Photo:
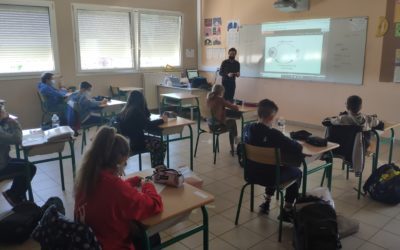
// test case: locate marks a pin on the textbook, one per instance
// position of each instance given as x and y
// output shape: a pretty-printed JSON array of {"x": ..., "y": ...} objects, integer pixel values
[{"x": 37, "y": 136}]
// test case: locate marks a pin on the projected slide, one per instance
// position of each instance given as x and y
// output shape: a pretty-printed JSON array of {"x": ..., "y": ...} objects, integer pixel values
[{"x": 293, "y": 54}]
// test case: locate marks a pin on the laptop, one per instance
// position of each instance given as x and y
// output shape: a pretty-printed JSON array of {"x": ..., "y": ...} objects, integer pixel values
[{"x": 191, "y": 74}]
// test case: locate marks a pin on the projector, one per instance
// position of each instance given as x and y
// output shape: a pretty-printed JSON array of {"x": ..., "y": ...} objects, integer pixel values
[{"x": 291, "y": 5}]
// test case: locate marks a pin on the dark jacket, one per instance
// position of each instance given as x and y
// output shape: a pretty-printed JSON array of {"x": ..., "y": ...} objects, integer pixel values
[
  {"x": 133, "y": 125},
  {"x": 229, "y": 66}
]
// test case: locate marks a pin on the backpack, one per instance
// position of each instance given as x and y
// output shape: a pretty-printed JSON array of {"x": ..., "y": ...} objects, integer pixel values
[
  {"x": 17, "y": 225},
  {"x": 384, "y": 184},
  {"x": 315, "y": 225}
]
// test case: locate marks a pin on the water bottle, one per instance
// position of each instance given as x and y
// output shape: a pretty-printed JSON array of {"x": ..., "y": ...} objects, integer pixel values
[
  {"x": 281, "y": 123},
  {"x": 55, "y": 121}
]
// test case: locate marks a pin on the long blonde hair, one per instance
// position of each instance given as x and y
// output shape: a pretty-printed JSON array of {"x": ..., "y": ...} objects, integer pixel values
[
  {"x": 106, "y": 152},
  {"x": 216, "y": 90}
]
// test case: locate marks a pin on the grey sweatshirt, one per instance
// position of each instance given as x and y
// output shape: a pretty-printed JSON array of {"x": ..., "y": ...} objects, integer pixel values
[{"x": 10, "y": 134}]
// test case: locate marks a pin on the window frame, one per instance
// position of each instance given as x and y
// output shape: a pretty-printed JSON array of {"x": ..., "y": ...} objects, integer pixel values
[
  {"x": 96, "y": 7},
  {"x": 159, "y": 12},
  {"x": 53, "y": 37},
  {"x": 135, "y": 39}
]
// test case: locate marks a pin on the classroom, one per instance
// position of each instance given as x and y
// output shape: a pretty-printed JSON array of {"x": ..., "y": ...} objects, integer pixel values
[{"x": 200, "y": 124}]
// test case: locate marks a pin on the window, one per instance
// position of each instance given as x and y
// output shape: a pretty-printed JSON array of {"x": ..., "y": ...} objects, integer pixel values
[
  {"x": 159, "y": 40},
  {"x": 105, "y": 40},
  {"x": 26, "y": 43},
  {"x": 125, "y": 39}
]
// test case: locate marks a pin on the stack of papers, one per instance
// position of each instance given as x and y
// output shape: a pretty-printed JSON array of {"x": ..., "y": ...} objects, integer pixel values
[{"x": 31, "y": 137}]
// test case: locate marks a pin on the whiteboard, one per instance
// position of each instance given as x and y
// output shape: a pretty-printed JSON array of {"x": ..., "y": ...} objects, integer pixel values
[{"x": 343, "y": 53}]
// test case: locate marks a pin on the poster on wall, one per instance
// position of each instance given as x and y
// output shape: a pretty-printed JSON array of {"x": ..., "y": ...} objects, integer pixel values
[
  {"x": 397, "y": 12},
  {"x": 232, "y": 36},
  {"x": 212, "y": 31}
]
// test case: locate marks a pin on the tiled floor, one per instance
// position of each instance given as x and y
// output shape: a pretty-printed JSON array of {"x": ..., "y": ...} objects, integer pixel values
[{"x": 379, "y": 224}]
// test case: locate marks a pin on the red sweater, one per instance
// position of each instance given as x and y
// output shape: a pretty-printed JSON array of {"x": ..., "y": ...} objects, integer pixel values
[{"x": 114, "y": 203}]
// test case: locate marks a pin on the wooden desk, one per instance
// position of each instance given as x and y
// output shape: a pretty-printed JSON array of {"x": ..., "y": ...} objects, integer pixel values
[
  {"x": 178, "y": 202},
  {"x": 40, "y": 147},
  {"x": 129, "y": 89},
  {"x": 175, "y": 126},
  {"x": 180, "y": 100},
  {"x": 312, "y": 153},
  {"x": 111, "y": 108},
  {"x": 387, "y": 126}
]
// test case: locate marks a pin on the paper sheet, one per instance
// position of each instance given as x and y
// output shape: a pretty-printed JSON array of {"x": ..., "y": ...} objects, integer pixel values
[{"x": 189, "y": 53}]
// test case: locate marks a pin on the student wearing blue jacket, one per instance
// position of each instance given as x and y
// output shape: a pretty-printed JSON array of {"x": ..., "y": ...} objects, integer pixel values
[{"x": 54, "y": 97}]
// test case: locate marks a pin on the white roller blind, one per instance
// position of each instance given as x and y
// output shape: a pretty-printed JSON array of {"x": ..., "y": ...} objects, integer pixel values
[
  {"x": 104, "y": 39},
  {"x": 160, "y": 40},
  {"x": 25, "y": 39}
]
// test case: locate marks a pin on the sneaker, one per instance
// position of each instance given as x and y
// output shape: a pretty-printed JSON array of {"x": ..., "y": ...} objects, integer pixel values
[
  {"x": 264, "y": 207},
  {"x": 11, "y": 198},
  {"x": 287, "y": 215}
]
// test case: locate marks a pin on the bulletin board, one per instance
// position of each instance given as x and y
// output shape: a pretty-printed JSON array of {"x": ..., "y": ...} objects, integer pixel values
[{"x": 391, "y": 43}]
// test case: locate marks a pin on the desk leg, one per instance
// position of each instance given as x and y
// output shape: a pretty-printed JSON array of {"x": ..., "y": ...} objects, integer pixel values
[
  {"x": 71, "y": 146},
  {"x": 304, "y": 186},
  {"x": 329, "y": 160},
  {"x": 191, "y": 147},
  {"x": 375, "y": 163},
  {"x": 391, "y": 145},
  {"x": 205, "y": 227},
  {"x": 168, "y": 151},
  {"x": 242, "y": 125},
  {"x": 61, "y": 171}
]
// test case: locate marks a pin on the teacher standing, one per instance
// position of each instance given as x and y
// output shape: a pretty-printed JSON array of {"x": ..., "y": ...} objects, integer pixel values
[{"x": 230, "y": 69}]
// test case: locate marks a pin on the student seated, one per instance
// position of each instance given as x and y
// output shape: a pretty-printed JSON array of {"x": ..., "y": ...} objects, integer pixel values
[
  {"x": 262, "y": 134},
  {"x": 87, "y": 108},
  {"x": 11, "y": 134},
  {"x": 217, "y": 105},
  {"x": 54, "y": 98},
  {"x": 134, "y": 119},
  {"x": 353, "y": 116},
  {"x": 103, "y": 200}
]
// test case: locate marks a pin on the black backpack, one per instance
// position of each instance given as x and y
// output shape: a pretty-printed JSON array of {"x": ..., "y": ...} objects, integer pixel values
[
  {"x": 17, "y": 225},
  {"x": 384, "y": 184},
  {"x": 315, "y": 225}
]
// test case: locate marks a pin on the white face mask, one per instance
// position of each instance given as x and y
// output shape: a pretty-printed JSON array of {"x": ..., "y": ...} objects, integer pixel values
[{"x": 53, "y": 82}]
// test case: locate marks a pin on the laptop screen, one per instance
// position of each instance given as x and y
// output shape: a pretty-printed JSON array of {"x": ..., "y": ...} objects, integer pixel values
[{"x": 192, "y": 73}]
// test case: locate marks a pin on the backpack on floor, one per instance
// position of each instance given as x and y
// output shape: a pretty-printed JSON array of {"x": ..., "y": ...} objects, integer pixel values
[
  {"x": 384, "y": 184},
  {"x": 315, "y": 225},
  {"x": 17, "y": 225}
]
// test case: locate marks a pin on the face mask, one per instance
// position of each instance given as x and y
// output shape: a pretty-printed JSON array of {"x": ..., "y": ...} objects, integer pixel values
[{"x": 53, "y": 82}]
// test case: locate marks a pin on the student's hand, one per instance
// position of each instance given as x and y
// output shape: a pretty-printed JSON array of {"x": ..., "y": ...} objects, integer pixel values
[{"x": 135, "y": 181}]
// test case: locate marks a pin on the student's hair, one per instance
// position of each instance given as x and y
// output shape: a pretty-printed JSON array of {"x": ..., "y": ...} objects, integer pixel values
[
  {"x": 232, "y": 49},
  {"x": 266, "y": 108},
  {"x": 354, "y": 104},
  {"x": 85, "y": 85},
  {"x": 107, "y": 150},
  {"x": 46, "y": 76},
  {"x": 216, "y": 90},
  {"x": 137, "y": 102}
]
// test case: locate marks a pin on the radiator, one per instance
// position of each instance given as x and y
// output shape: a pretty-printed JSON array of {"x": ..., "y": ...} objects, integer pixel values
[{"x": 150, "y": 82}]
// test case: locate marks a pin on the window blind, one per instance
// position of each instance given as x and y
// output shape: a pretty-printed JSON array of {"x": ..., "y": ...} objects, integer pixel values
[
  {"x": 104, "y": 39},
  {"x": 160, "y": 40},
  {"x": 25, "y": 39}
]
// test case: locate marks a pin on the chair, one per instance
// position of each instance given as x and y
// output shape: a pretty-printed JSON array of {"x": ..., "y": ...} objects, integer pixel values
[
  {"x": 74, "y": 122},
  {"x": 25, "y": 173},
  {"x": 45, "y": 110},
  {"x": 346, "y": 137},
  {"x": 270, "y": 157},
  {"x": 215, "y": 133},
  {"x": 116, "y": 94}
]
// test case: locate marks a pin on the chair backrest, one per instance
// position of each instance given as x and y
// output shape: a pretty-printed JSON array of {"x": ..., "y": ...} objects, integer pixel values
[
  {"x": 42, "y": 100},
  {"x": 114, "y": 91},
  {"x": 345, "y": 136},
  {"x": 256, "y": 158}
]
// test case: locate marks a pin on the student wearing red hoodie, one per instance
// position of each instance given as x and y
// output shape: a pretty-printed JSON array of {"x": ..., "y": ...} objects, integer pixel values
[{"x": 103, "y": 200}]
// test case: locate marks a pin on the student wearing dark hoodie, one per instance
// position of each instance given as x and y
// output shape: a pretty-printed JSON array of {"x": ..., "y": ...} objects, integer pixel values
[{"x": 262, "y": 134}]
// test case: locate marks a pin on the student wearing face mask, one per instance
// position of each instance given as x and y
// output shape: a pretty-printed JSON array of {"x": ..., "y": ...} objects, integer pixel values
[
  {"x": 85, "y": 106},
  {"x": 230, "y": 69},
  {"x": 54, "y": 97},
  {"x": 107, "y": 203}
]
